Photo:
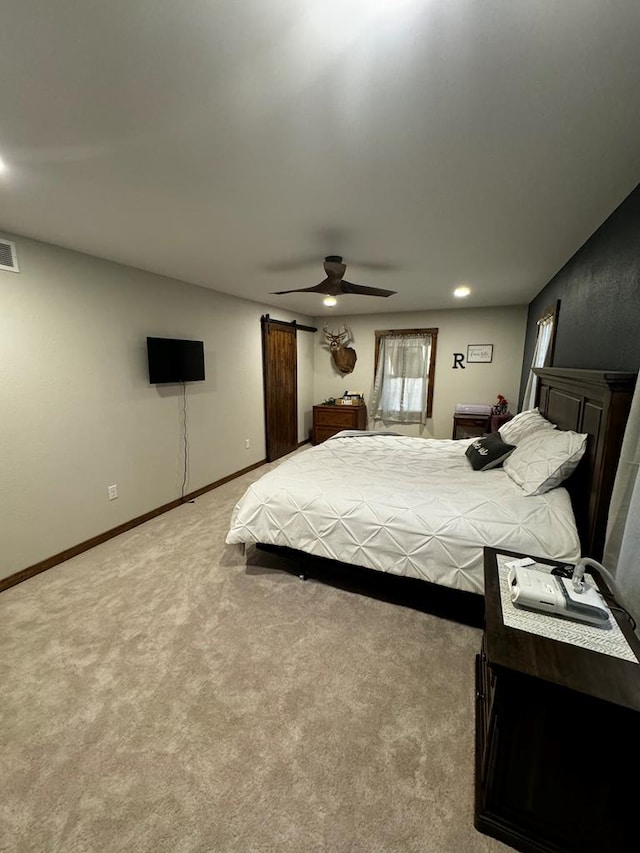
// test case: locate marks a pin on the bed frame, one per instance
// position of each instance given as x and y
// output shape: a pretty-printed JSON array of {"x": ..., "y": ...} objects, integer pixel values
[{"x": 596, "y": 402}]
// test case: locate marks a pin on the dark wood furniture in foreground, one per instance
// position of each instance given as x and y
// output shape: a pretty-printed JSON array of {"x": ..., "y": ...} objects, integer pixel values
[
  {"x": 328, "y": 420},
  {"x": 556, "y": 738},
  {"x": 596, "y": 402}
]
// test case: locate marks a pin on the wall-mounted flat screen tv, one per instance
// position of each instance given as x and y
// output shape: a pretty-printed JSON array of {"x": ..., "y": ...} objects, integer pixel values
[{"x": 173, "y": 360}]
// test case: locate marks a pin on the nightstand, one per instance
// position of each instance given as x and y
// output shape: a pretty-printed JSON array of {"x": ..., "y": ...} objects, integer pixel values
[
  {"x": 556, "y": 737},
  {"x": 470, "y": 426}
]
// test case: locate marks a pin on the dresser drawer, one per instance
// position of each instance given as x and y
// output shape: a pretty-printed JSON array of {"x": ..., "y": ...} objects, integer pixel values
[
  {"x": 322, "y": 433},
  {"x": 338, "y": 416}
]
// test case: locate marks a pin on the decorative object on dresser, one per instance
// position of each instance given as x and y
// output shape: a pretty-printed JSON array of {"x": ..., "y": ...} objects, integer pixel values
[
  {"x": 501, "y": 406},
  {"x": 349, "y": 399},
  {"x": 556, "y": 728},
  {"x": 499, "y": 413},
  {"x": 330, "y": 419}
]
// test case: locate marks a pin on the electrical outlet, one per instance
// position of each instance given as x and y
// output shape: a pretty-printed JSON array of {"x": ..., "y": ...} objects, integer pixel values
[
  {"x": 113, "y": 492},
  {"x": 247, "y": 443}
]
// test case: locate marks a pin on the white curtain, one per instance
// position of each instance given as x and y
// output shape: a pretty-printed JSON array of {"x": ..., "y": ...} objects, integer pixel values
[
  {"x": 622, "y": 545},
  {"x": 543, "y": 341},
  {"x": 402, "y": 379}
]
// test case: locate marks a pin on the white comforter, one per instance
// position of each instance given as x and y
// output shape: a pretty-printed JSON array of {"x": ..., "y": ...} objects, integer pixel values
[{"x": 409, "y": 506}]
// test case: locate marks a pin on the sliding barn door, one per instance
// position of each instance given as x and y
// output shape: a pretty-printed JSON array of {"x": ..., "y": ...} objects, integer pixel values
[{"x": 280, "y": 371}]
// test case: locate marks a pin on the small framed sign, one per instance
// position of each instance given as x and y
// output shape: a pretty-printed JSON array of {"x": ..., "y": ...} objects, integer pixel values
[{"x": 479, "y": 353}]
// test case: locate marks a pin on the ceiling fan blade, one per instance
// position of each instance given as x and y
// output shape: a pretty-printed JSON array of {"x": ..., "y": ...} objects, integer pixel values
[
  {"x": 363, "y": 290},
  {"x": 323, "y": 287}
]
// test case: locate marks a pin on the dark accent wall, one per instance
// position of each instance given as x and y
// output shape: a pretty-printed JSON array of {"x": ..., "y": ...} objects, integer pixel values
[{"x": 599, "y": 292}]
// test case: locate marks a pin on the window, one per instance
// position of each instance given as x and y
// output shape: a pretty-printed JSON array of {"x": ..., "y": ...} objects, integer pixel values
[
  {"x": 543, "y": 352},
  {"x": 404, "y": 369}
]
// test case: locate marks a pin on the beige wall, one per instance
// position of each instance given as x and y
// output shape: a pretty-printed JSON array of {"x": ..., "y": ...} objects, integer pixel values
[
  {"x": 77, "y": 410},
  {"x": 477, "y": 383}
]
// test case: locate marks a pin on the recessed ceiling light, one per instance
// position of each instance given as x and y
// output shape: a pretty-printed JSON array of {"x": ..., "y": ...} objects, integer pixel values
[
  {"x": 460, "y": 292},
  {"x": 329, "y": 301},
  {"x": 3, "y": 166}
]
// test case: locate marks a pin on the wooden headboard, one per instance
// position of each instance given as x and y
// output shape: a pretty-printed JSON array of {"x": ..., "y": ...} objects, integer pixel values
[{"x": 596, "y": 402}]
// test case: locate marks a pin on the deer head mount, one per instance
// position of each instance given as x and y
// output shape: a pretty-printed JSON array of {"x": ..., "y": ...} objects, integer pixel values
[{"x": 344, "y": 357}]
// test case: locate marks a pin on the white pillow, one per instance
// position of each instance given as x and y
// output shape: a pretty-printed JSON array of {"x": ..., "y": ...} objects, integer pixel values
[
  {"x": 544, "y": 459},
  {"x": 524, "y": 424}
]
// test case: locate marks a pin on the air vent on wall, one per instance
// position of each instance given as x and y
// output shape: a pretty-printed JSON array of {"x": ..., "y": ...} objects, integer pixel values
[{"x": 8, "y": 256}]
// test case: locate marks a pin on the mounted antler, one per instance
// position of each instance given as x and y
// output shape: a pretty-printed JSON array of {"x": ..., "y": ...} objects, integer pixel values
[
  {"x": 344, "y": 357},
  {"x": 335, "y": 340}
]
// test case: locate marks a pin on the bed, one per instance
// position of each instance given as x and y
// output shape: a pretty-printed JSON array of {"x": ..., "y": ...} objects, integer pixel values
[{"x": 415, "y": 508}]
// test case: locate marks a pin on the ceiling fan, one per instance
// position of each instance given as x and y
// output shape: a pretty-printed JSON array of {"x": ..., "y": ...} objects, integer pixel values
[{"x": 335, "y": 285}]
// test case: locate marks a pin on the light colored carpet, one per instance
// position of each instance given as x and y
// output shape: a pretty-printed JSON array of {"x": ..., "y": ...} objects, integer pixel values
[{"x": 159, "y": 694}]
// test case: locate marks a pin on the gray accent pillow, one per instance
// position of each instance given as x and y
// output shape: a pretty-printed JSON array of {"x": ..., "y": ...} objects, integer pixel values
[{"x": 488, "y": 452}]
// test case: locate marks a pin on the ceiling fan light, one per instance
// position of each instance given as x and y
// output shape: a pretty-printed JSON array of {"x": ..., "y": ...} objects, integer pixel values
[{"x": 329, "y": 301}]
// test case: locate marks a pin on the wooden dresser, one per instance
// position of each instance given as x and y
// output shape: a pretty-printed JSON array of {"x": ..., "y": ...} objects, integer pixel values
[{"x": 328, "y": 420}]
